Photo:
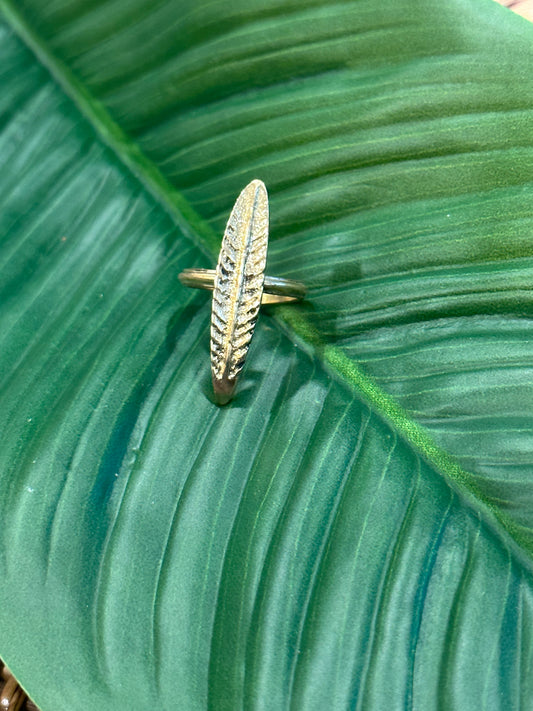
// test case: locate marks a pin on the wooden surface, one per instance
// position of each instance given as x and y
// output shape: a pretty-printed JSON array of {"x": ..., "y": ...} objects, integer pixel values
[{"x": 12, "y": 696}]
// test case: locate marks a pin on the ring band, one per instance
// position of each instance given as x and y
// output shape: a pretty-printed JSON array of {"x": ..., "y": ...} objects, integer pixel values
[
  {"x": 276, "y": 290},
  {"x": 240, "y": 287}
]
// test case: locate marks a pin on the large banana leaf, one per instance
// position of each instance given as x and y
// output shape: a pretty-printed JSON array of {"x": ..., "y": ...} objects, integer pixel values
[{"x": 356, "y": 529}]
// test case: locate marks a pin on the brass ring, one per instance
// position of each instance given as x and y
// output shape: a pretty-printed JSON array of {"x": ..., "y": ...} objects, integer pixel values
[
  {"x": 276, "y": 290},
  {"x": 240, "y": 287}
]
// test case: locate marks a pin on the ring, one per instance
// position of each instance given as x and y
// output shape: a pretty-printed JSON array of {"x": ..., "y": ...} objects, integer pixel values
[
  {"x": 275, "y": 290},
  {"x": 240, "y": 287}
]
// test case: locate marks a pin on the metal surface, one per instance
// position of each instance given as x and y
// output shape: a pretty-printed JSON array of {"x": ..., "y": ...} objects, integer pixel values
[
  {"x": 238, "y": 288},
  {"x": 276, "y": 290}
]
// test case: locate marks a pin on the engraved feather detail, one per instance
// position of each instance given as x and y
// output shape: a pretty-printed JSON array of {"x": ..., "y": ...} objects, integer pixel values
[{"x": 238, "y": 287}]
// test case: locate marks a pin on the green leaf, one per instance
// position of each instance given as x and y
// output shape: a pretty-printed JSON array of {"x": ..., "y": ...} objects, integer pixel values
[{"x": 355, "y": 529}]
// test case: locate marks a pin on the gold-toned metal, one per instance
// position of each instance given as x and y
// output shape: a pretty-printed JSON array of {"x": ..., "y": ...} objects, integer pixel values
[
  {"x": 240, "y": 287},
  {"x": 276, "y": 290}
]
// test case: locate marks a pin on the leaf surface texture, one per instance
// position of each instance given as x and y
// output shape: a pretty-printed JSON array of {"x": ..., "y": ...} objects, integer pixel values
[{"x": 302, "y": 548}]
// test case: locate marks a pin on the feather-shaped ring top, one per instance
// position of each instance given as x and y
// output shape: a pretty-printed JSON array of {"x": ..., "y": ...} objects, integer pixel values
[{"x": 240, "y": 287}]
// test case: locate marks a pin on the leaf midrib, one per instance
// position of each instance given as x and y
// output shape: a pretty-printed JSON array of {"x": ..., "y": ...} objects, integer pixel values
[{"x": 291, "y": 321}]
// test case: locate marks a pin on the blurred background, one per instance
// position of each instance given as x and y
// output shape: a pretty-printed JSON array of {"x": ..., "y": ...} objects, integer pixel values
[{"x": 522, "y": 7}]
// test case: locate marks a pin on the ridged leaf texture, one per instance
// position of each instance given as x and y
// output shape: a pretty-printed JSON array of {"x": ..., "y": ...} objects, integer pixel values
[
  {"x": 354, "y": 530},
  {"x": 239, "y": 281}
]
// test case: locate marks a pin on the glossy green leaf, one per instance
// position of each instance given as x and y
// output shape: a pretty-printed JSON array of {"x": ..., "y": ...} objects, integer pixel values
[{"x": 355, "y": 529}]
